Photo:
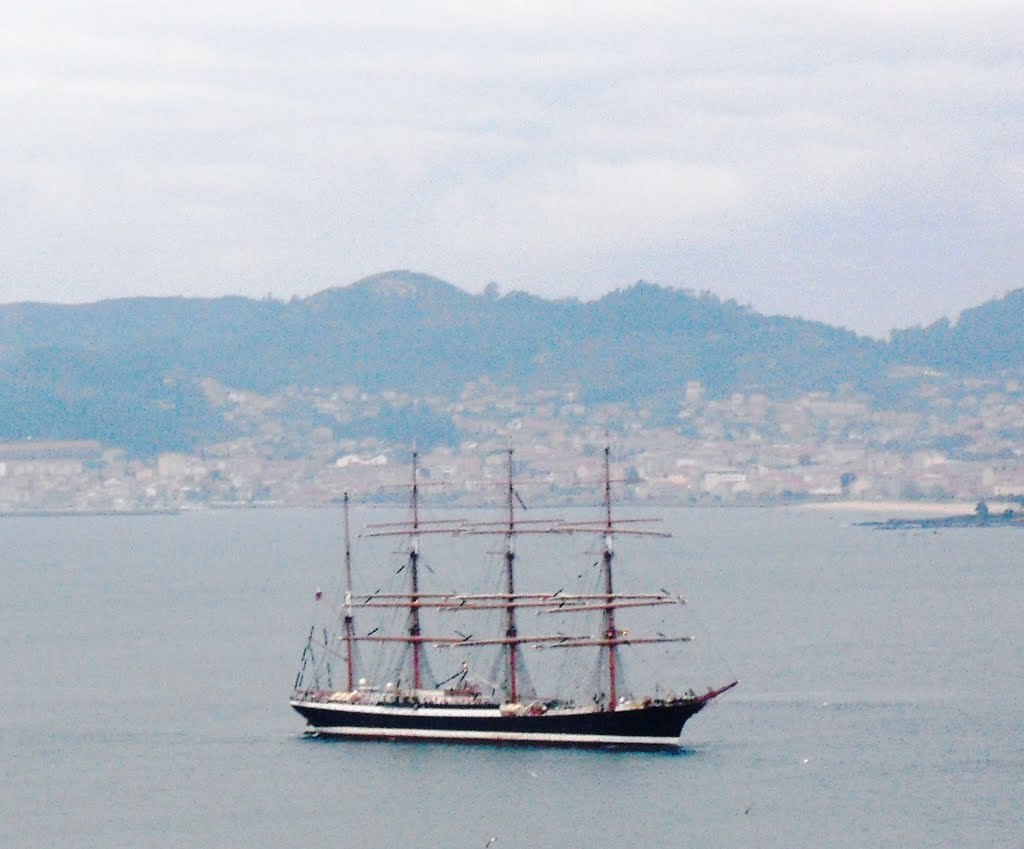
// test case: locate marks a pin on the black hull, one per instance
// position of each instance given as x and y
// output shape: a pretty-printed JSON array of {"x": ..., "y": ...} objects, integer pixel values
[{"x": 655, "y": 726}]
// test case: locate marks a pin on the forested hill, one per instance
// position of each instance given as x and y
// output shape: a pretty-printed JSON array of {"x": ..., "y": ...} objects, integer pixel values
[
  {"x": 985, "y": 340},
  {"x": 125, "y": 371}
]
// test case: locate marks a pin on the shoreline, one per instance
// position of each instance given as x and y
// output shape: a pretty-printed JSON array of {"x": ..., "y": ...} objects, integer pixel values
[
  {"x": 931, "y": 508},
  {"x": 923, "y": 508}
]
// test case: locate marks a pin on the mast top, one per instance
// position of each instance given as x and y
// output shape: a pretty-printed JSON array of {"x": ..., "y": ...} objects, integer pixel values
[
  {"x": 415, "y": 489},
  {"x": 607, "y": 491}
]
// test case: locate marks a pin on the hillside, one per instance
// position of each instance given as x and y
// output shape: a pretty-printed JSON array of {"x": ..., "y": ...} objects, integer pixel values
[
  {"x": 126, "y": 372},
  {"x": 985, "y": 340}
]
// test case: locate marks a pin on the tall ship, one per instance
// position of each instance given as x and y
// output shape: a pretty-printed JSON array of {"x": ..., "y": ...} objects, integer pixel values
[{"x": 367, "y": 670}]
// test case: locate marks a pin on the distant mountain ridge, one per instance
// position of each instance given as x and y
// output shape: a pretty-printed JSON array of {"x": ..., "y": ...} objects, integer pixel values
[{"x": 125, "y": 371}]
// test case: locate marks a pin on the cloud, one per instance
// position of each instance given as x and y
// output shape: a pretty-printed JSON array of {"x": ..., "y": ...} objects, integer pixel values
[{"x": 858, "y": 163}]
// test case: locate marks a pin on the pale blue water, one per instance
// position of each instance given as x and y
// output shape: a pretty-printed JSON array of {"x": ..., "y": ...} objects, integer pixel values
[{"x": 147, "y": 663}]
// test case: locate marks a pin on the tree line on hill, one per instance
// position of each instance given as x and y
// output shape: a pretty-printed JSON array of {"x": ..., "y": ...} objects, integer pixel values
[{"x": 126, "y": 372}]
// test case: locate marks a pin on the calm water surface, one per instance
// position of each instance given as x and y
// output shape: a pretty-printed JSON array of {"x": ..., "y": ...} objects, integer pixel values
[{"x": 147, "y": 663}]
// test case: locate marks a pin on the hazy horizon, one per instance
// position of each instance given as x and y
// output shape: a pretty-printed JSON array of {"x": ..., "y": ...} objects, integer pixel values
[
  {"x": 844, "y": 163},
  {"x": 501, "y": 292}
]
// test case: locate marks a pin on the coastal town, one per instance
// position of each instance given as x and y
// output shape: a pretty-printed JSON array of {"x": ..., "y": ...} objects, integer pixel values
[{"x": 945, "y": 440}]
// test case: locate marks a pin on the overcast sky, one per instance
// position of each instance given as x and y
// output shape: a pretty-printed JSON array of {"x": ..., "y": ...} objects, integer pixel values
[{"x": 859, "y": 163}]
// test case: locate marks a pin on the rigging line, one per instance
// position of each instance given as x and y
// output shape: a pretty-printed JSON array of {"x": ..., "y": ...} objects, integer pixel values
[
  {"x": 579, "y": 676},
  {"x": 330, "y": 681},
  {"x": 439, "y": 684},
  {"x": 327, "y": 650},
  {"x": 306, "y": 652}
]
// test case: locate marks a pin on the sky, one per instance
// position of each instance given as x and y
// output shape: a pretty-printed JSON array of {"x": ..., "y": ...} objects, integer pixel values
[{"x": 859, "y": 163}]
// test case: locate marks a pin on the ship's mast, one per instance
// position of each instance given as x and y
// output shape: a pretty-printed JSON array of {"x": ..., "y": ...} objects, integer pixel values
[
  {"x": 511, "y": 631},
  {"x": 604, "y": 599},
  {"x": 349, "y": 629},
  {"x": 610, "y": 633},
  {"x": 414, "y": 578}
]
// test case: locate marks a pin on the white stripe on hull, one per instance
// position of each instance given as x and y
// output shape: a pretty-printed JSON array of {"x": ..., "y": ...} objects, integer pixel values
[{"x": 378, "y": 733}]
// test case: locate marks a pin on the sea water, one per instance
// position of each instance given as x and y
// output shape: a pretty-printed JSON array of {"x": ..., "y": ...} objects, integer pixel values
[{"x": 147, "y": 662}]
